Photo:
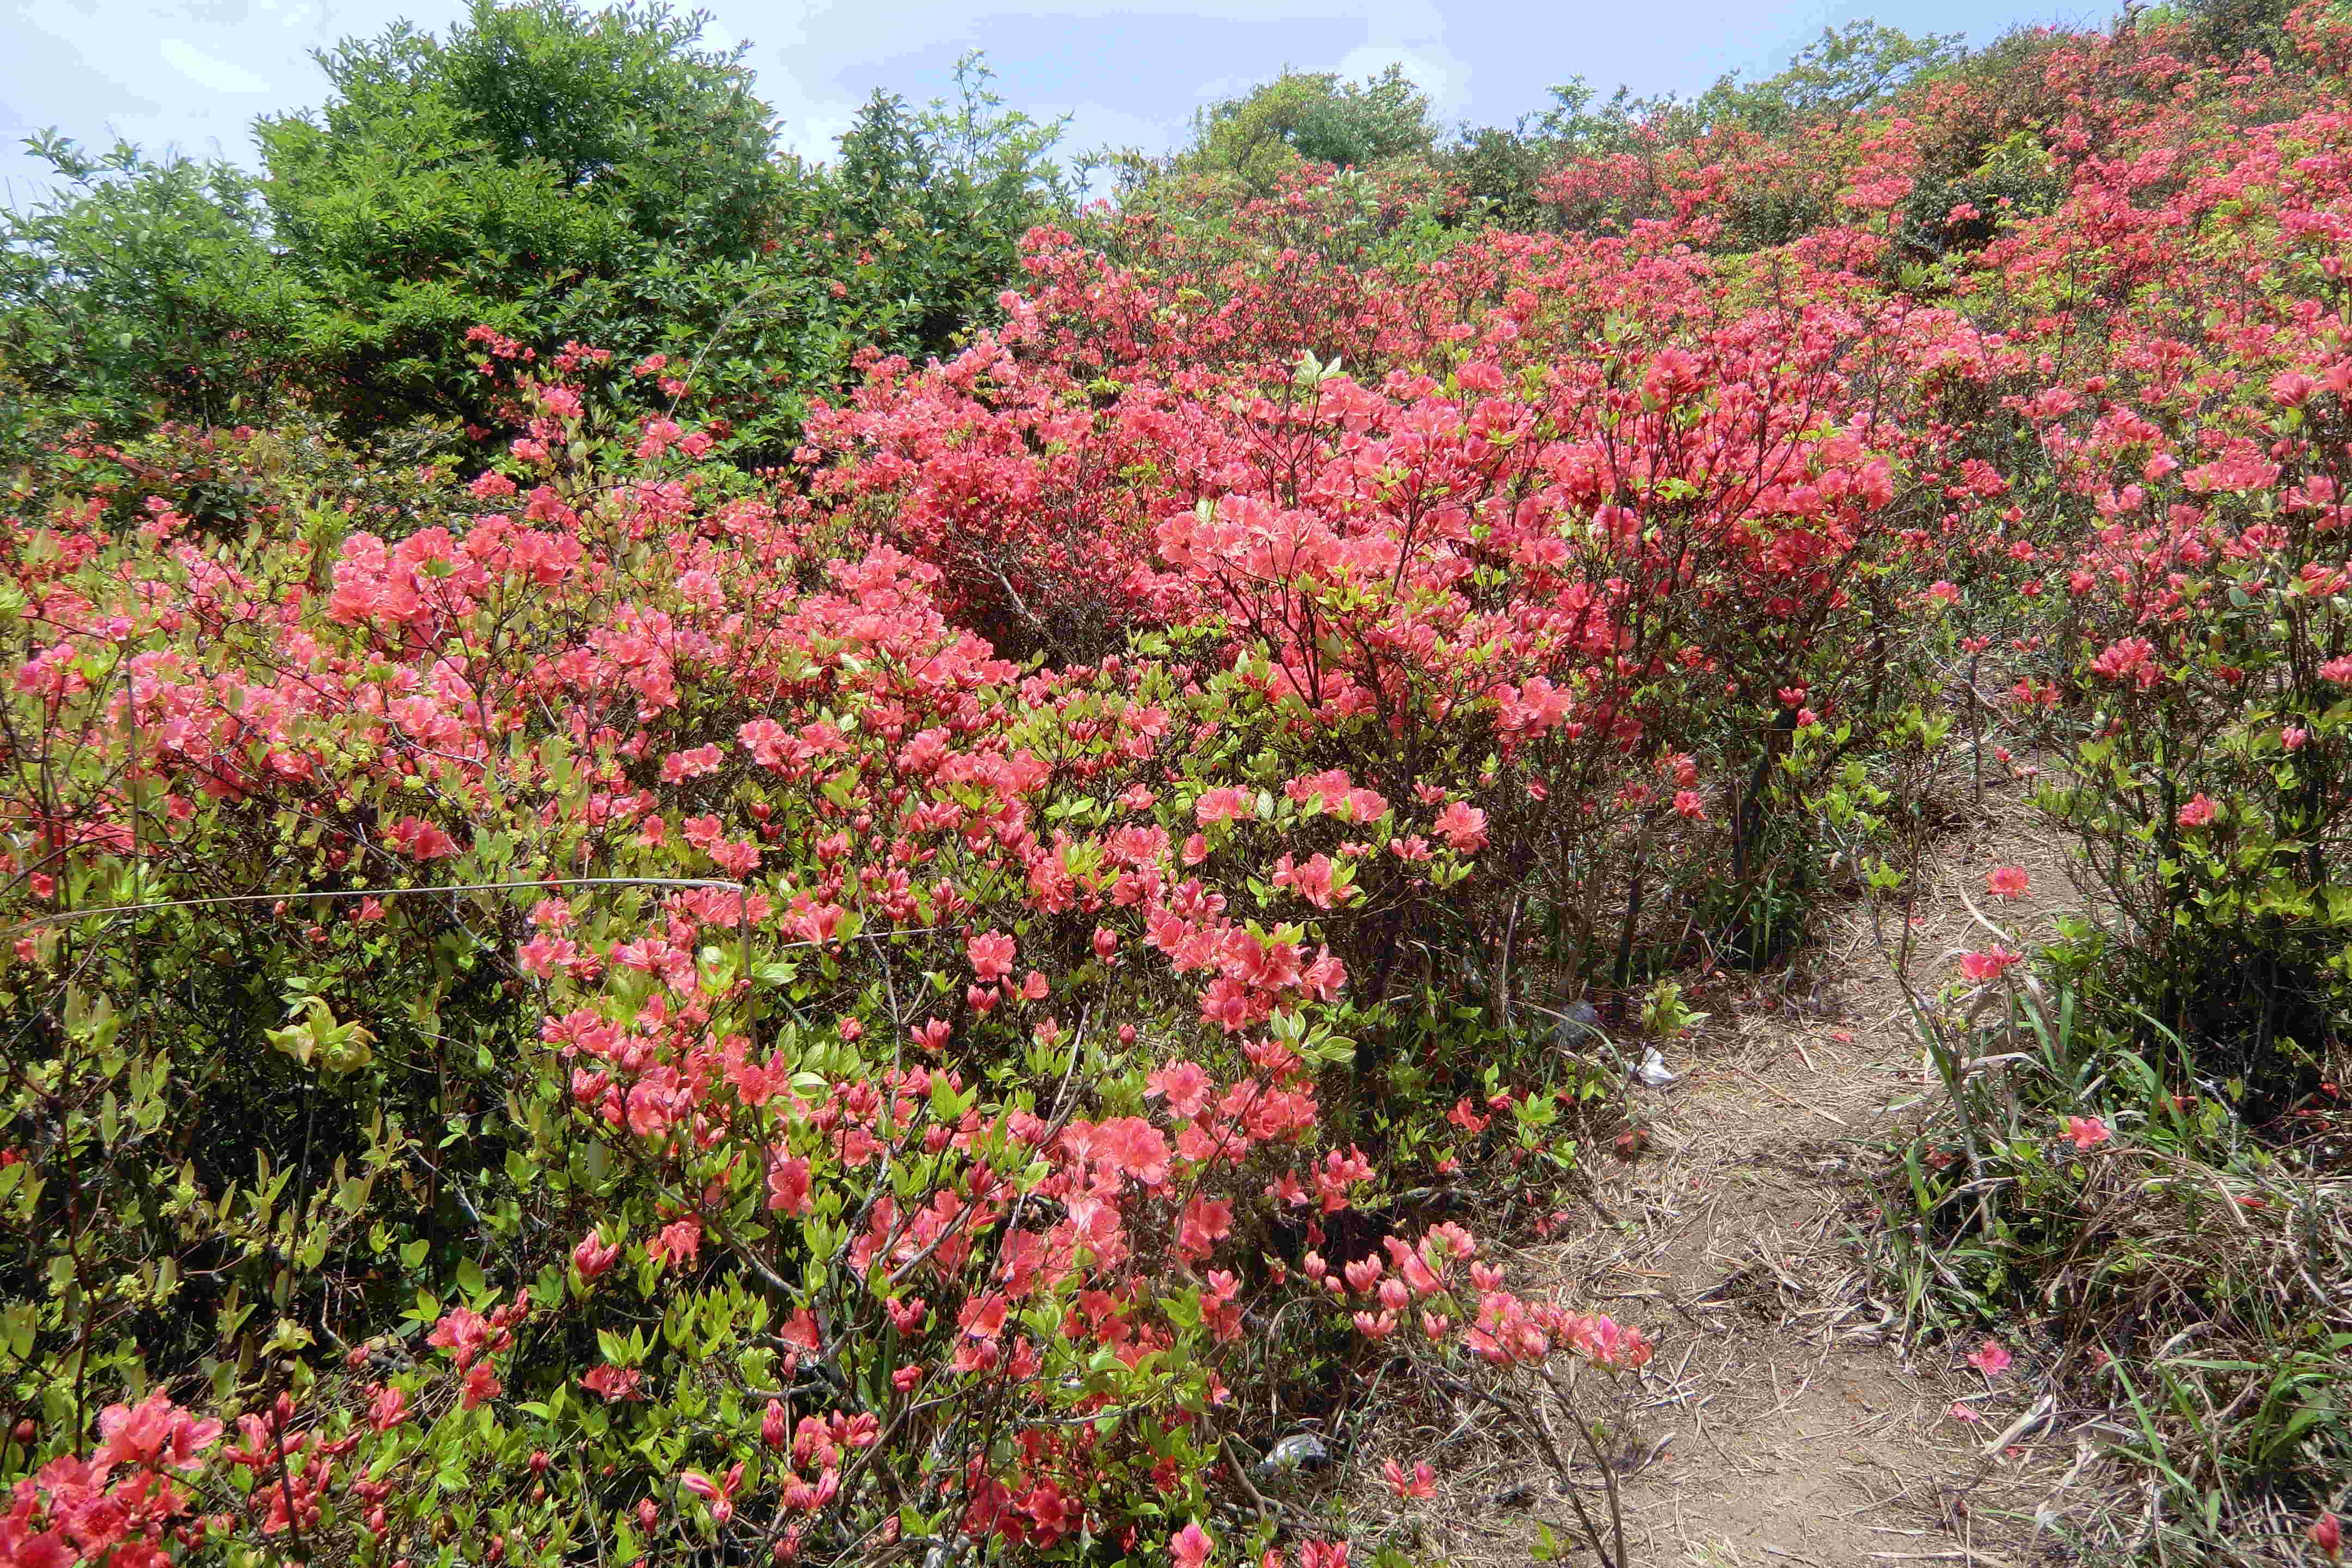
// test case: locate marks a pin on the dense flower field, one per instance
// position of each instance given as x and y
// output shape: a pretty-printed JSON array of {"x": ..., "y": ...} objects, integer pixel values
[{"x": 932, "y": 1000}]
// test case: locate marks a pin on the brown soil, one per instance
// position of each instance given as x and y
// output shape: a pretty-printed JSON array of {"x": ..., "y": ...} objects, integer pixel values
[{"x": 1779, "y": 1423}]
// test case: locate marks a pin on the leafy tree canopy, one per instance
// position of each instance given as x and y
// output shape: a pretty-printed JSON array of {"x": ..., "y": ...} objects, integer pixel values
[
  {"x": 537, "y": 150},
  {"x": 945, "y": 193},
  {"x": 145, "y": 284},
  {"x": 1843, "y": 72},
  {"x": 1311, "y": 117}
]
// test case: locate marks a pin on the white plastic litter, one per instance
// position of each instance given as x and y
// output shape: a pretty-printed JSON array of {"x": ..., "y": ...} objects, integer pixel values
[
  {"x": 1300, "y": 1452},
  {"x": 1652, "y": 1073}
]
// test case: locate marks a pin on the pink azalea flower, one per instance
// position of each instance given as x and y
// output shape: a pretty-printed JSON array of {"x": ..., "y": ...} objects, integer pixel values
[
  {"x": 1422, "y": 1482},
  {"x": 613, "y": 1384},
  {"x": 2087, "y": 1131},
  {"x": 991, "y": 955},
  {"x": 2008, "y": 882},
  {"x": 1463, "y": 825},
  {"x": 1191, "y": 1546},
  {"x": 1979, "y": 967},
  {"x": 419, "y": 839}
]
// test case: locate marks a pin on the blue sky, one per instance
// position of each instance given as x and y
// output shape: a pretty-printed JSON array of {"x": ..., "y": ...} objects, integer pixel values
[{"x": 194, "y": 73}]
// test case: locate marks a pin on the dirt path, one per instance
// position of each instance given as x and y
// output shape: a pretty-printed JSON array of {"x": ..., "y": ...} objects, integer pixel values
[{"x": 1787, "y": 1429}]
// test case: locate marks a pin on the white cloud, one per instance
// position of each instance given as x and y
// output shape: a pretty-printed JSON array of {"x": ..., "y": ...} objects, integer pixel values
[
  {"x": 1432, "y": 69},
  {"x": 200, "y": 68}
]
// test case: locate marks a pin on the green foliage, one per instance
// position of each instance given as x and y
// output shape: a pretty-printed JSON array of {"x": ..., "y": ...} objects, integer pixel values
[
  {"x": 2212, "y": 801},
  {"x": 2171, "y": 1264},
  {"x": 1310, "y": 117},
  {"x": 525, "y": 173},
  {"x": 1501, "y": 172},
  {"x": 141, "y": 287},
  {"x": 553, "y": 172},
  {"x": 1843, "y": 73},
  {"x": 939, "y": 198},
  {"x": 2017, "y": 178},
  {"x": 2228, "y": 30},
  {"x": 224, "y": 483}
]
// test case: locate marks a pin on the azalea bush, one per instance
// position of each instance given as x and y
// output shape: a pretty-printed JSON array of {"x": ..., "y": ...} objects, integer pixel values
[
  {"x": 1551, "y": 527},
  {"x": 2128, "y": 1173},
  {"x": 710, "y": 1019},
  {"x": 2211, "y": 691}
]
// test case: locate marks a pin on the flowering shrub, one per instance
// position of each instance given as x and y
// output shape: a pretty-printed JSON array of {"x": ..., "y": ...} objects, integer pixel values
[
  {"x": 1509, "y": 545},
  {"x": 828, "y": 1105}
]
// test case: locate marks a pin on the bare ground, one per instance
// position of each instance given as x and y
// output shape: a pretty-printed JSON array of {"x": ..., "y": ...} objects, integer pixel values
[{"x": 1779, "y": 1423}]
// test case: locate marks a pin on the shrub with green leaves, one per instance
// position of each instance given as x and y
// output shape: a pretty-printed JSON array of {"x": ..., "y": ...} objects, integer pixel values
[{"x": 140, "y": 287}]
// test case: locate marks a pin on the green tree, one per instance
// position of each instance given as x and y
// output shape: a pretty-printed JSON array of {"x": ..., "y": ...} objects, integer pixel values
[
  {"x": 1311, "y": 117},
  {"x": 142, "y": 287},
  {"x": 1857, "y": 66},
  {"x": 524, "y": 172},
  {"x": 1847, "y": 71},
  {"x": 1501, "y": 170},
  {"x": 2231, "y": 30},
  {"x": 937, "y": 198}
]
